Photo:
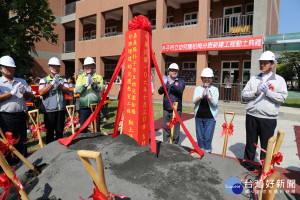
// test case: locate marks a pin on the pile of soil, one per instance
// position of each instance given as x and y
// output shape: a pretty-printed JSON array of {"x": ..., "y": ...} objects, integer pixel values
[{"x": 130, "y": 170}]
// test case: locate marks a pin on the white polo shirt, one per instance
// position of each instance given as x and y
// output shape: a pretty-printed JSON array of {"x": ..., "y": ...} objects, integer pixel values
[{"x": 12, "y": 104}]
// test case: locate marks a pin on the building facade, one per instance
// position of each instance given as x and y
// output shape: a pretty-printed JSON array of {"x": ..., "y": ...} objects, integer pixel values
[{"x": 97, "y": 29}]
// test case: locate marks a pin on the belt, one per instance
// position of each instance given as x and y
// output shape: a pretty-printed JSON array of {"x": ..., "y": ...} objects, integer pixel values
[{"x": 13, "y": 113}]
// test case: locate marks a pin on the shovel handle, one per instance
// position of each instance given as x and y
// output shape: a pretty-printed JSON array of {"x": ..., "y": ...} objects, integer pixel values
[{"x": 229, "y": 113}]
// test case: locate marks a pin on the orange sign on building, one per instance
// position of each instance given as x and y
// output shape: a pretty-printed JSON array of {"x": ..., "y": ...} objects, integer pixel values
[{"x": 136, "y": 108}]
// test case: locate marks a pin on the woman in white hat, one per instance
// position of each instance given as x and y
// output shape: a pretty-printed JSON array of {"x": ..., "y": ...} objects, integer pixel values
[{"x": 206, "y": 110}]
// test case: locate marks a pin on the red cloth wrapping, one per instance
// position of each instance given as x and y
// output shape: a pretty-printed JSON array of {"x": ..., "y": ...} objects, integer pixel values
[
  {"x": 172, "y": 123},
  {"x": 7, "y": 183},
  {"x": 34, "y": 130}
]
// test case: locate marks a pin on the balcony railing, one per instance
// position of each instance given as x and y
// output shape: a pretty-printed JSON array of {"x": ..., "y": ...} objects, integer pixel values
[
  {"x": 187, "y": 23},
  {"x": 69, "y": 46},
  {"x": 70, "y": 8},
  {"x": 112, "y": 34},
  {"x": 230, "y": 26}
]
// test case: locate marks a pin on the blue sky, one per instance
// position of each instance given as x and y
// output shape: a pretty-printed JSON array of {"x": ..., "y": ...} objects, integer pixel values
[{"x": 289, "y": 16}]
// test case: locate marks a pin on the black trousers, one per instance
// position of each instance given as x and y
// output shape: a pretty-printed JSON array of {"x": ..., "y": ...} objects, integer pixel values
[
  {"x": 262, "y": 127},
  {"x": 15, "y": 123},
  {"x": 54, "y": 121}
]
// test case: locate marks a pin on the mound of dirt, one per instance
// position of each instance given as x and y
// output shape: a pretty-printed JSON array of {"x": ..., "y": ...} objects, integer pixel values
[{"x": 130, "y": 170}]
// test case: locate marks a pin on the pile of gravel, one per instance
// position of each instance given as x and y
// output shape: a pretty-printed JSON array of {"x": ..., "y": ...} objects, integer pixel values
[{"x": 130, "y": 170}]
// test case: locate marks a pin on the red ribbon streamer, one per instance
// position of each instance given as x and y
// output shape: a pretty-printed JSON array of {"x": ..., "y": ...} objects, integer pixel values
[
  {"x": 225, "y": 127},
  {"x": 197, "y": 148},
  {"x": 68, "y": 140},
  {"x": 277, "y": 158},
  {"x": 75, "y": 121},
  {"x": 4, "y": 147}
]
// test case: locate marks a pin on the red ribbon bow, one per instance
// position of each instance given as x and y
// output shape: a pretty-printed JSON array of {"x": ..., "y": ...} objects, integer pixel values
[
  {"x": 98, "y": 195},
  {"x": 172, "y": 123},
  {"x": 6, "y": 183},
  {"x": 277, "y": 158},
  {"x": 75, "y": 121},
  {"x": 34, "y": 129},
  {"x": 225, "y": 127},
  {"x": 4, "y": 147}
]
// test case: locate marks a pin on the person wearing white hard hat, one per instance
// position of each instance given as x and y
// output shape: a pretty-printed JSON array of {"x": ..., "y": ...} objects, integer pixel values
[
  {"x": 13, "y": 95},
  {"x": 89, "y": 86},
  {"x": 264, "y": 94},
  {"x": 206, "y": 99},
  {"x": 175, "y": 87},
  {"x": 53, "y": 88}
]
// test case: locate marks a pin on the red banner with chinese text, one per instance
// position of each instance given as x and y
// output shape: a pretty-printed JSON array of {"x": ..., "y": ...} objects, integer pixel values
[
  {"x": 212, "y": 45},
  {"x": 136, "y": 108}
]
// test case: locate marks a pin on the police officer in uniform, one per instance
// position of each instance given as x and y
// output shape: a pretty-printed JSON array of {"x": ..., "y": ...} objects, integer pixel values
[
  {"x": 53, "y": 88},
  {"x": 13, "y": 93}
]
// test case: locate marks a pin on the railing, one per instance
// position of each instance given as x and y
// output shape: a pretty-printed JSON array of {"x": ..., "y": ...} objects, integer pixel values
[
  {"x": 234, "y": 93},
  {"x": 70, "y": 8},
  {"x": 189, "y": 23},
  {"x": 112, "y": 34},
  {"x": 230, "y": 26},
  {"x": 69, "y": 46}
]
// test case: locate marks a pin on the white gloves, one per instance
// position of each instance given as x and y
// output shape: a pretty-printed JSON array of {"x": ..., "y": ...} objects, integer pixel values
[
  {"x": 169, "y": 79},
  {"x": 203, "y": 94},
  {"x": 55, "y": 80},
  {"x": 15, "y": 89},
  {"x": 22, "y": 89},
  {"x": 88, "y": 80},
  {"x": 165, "y": 79},
  {"x": 264, "y": 88},
  {"x": 261, "y": 88},
  {"x": 208, "y": 95}
]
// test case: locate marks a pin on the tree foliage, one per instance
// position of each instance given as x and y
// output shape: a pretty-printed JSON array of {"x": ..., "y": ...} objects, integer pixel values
[
  {"x": 289, "y": 66},
  {"x": 22, "y": 24}
]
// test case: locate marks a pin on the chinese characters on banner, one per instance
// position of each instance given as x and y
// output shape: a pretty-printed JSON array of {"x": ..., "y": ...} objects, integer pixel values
[
  {"x": 136, "y": 119},
  {"x": 211, "y": 45}
]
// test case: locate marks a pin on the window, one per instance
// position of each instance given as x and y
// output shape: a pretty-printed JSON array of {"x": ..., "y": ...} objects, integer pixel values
[
  {"x": 170, "y": 20},
  {"x": 109, "y": 70},
  {"x": 231, "y": 17},
  {"x": 189, "y": 73},
  {"x": 249, "y": 8},
  {"x": 232, "y": 68},
  {"x": 153, "y": 23},
  {"x": 167, "y": 64},
  {"x": 246, "y": 71},
  {"x": 86, "y": 35},
  {"x": 190, "y": 19},
  {"x": 109, "y": 30},
  {"x": 249, "y": 14},
  {"x": 93, "y": 34}
]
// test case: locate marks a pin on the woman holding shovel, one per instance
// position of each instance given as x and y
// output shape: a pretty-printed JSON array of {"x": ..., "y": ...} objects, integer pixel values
[{"x": 206, "y": 110}]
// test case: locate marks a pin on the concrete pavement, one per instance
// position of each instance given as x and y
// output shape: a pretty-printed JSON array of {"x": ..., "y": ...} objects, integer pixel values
[{"x": 288, "y": 117}]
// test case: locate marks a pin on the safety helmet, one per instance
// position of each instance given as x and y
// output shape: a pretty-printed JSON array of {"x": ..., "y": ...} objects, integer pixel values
[
  {"x": 207, "y": 72},
  {"x": 53, "y": 61},
  {"x": 88, "y": 61},
  {"x": 7, "y": 61},
  {"x": 267, "y": 55},
  {"x": 173, "y": 66}
]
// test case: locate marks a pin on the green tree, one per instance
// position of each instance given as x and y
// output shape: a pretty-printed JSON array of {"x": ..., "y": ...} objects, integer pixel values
[
  {"x": 289, "y": 66},
  {"x": 22, "y": 24}
]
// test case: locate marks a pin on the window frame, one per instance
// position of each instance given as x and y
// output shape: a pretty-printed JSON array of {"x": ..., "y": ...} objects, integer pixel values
[
  {"x": 230, "y": 70},
  {"x": 189, "y": 70},
  {"x": 192, "y": 22},
  {"x": 244, "y": 61}
]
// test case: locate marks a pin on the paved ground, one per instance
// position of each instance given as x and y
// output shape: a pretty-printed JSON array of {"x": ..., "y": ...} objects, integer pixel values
[{"x": 287, "y": 119}]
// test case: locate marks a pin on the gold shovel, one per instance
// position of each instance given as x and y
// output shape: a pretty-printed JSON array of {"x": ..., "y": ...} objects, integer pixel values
[
  {"x": 99, "y": 177},
  {"x": 95, "y": 121},
  {"x": 71, "y": 112},
  {"x": 226, "y": 135},
  {"x": 36, "y": 125}
]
